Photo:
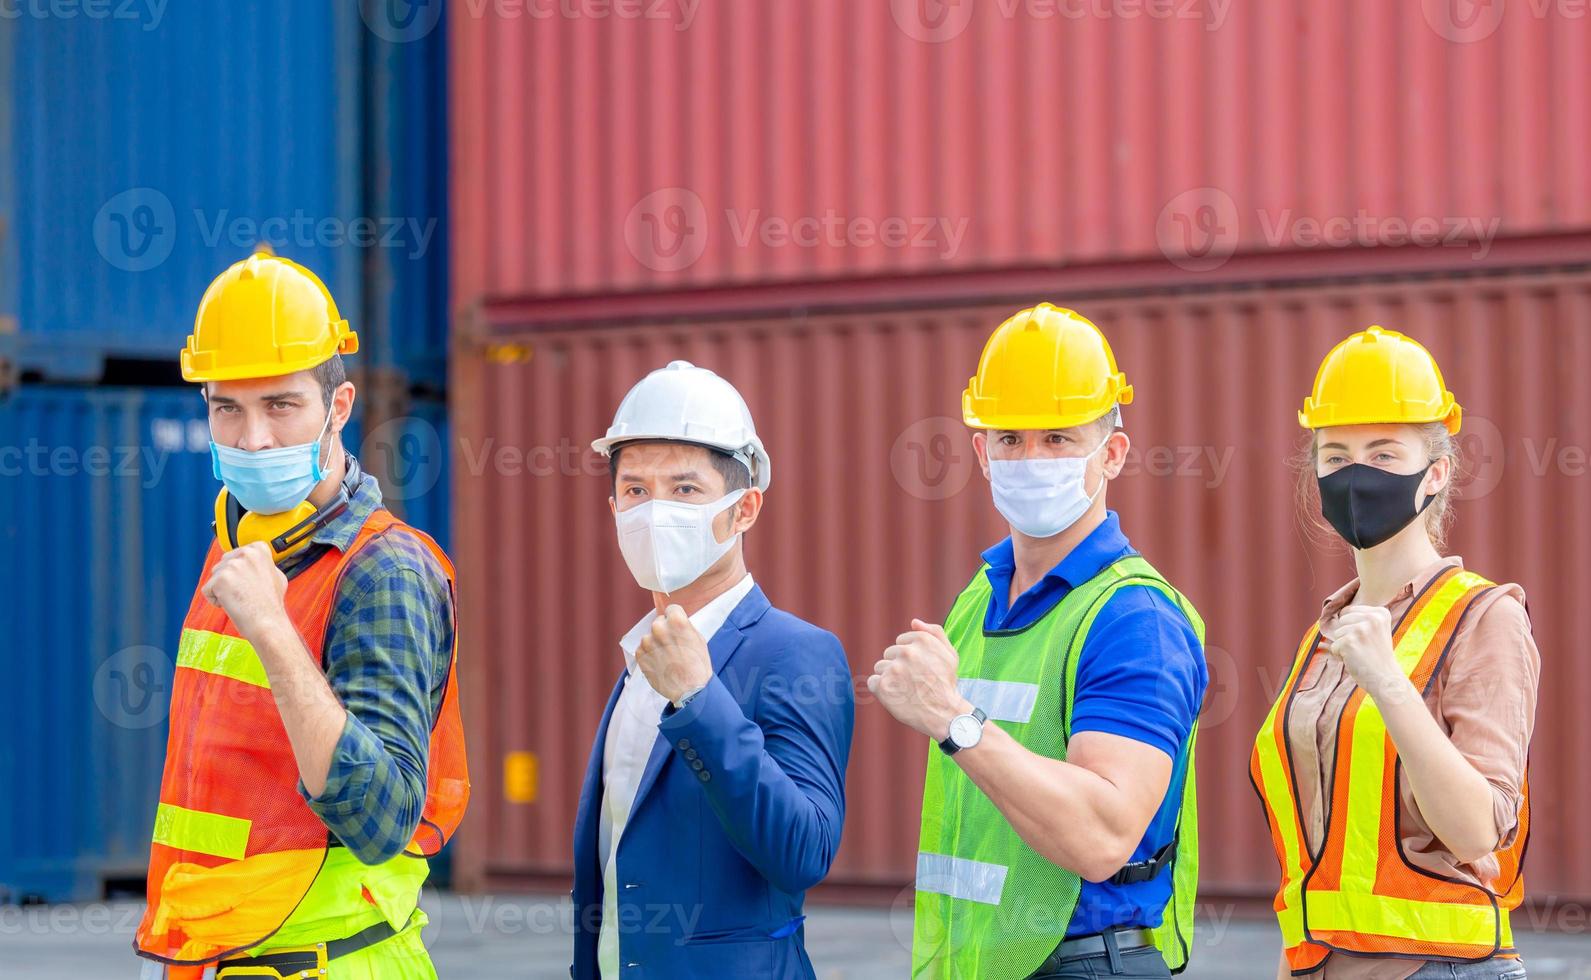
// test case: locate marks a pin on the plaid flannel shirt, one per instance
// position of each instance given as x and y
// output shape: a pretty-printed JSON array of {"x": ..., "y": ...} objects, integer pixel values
[{"x": 387, "y": 653}]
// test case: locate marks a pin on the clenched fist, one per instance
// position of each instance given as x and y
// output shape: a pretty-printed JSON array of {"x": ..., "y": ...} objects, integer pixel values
[
  {"x": 250, "y": 589},
  {"x": 673, "y": 655},
  {"x": 916, "y": 681},
  {"x": 1361, "y": 637}
]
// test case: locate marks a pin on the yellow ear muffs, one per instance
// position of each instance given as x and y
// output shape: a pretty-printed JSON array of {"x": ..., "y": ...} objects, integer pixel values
[{"x": 286, "y": 533}]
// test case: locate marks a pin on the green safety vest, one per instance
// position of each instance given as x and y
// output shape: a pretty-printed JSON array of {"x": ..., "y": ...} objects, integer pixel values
[{"x": 988, "y": 905}]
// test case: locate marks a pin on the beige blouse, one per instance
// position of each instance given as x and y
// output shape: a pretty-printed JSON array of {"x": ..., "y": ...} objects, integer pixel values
[{"x": 1485, "y": 699}]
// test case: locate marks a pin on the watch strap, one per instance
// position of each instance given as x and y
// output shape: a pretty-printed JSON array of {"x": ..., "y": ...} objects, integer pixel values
[
  {"x": 687, "y": 698},
  {"x": 949, "y": 746}
]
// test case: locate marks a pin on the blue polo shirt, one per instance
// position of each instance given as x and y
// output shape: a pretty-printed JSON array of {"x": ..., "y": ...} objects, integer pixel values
[{"x": 1141, "y": 674}]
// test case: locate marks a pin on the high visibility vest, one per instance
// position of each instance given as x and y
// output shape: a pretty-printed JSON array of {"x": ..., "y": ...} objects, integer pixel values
[
  {"x": 989, "y": 906},
  {"x": 236, "y": 849},
  {"x": 1355, "y": 891}
]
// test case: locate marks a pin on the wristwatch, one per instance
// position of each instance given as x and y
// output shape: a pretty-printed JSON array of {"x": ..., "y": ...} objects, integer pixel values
[
  {"x": 965, "y": 732},
  {"x": 686, "y": 698}
]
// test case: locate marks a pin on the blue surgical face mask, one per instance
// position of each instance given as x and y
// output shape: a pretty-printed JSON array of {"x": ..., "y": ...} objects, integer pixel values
[{"x": 270, "y": 481}]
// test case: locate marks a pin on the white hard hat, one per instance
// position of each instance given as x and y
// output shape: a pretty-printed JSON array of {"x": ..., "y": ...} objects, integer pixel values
[{"x": 685, "y": 403}]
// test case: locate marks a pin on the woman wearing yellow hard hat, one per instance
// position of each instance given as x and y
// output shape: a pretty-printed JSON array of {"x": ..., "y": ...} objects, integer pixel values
[{"x": 1392, "y": 766}]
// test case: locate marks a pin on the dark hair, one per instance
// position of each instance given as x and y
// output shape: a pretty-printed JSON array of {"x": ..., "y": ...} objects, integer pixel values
[
  {"x": 329, "y": 374},
  {"x": 735, "y": 473},
  {"x": 1108, "y": 423}
]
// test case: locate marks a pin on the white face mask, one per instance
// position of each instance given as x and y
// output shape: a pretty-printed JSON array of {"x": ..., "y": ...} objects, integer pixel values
[
  {"x": 668, "y": 545},
  {"x": 1043, "y": 497}
]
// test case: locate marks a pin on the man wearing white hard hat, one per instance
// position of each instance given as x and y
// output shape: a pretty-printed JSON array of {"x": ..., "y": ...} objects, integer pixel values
[{"x": 716, "y": 788}]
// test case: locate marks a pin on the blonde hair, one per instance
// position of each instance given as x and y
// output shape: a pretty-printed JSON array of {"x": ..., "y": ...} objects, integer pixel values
[{"x": 1439, "y": 516}]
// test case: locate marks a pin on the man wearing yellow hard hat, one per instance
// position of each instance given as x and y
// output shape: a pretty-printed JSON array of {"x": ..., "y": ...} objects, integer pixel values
[
  {"x": 316, "y": 756},
  {"x": 1392, "y": 767},
  {"x": 1059, "y": 829}
]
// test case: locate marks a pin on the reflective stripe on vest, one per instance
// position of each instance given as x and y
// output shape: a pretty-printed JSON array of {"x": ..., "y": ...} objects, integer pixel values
[
  {"x": 988, "y": 905},
  {"x": 224, "y": 656},
  {"x": 215, "y": 834},
  {"x": 236, "y": 850},
  {"x": 1355, "y": 892}
]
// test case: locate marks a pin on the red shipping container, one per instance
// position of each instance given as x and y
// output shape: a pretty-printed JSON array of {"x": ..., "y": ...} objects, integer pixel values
[
  {"x": 633, "y": 147},
  {"x": 878, "y": 513}
]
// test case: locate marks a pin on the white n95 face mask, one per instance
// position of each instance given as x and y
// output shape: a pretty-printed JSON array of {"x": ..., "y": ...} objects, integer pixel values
[
  {"x": 668, "y": 545},
  {"x": 1043, "y": 497}
]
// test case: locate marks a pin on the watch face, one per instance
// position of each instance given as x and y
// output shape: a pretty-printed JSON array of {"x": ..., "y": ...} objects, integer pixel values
[{"x": 965, "y": 731}]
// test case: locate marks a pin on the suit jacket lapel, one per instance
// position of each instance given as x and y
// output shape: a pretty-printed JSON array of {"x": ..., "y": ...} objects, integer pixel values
[
  {"x": 720, "y": 648},
  {"x": 591, "y": 787}
]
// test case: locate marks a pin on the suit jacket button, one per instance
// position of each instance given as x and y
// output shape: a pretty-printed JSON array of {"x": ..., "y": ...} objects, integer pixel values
[
  {"x": 690, "y": 753},
  {"x": 698, "y": 765},
  {"x": 705, "y": 776},
  {"x": 684, "y": 743}
]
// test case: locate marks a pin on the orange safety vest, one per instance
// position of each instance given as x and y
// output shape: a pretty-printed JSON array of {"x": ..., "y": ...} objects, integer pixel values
[
  {"x": 1356, "y": 891},
  {"x": 235, "y": 846}
]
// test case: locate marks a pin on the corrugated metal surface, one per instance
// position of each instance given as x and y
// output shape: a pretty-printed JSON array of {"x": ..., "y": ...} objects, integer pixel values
[
  {"x": 104, "y": 518},
  {"x": 155, "y": 144},
  {"x": 596, "y": 153},
  {"x": 406, "y": 173},
  {"x": 878, "y": 514},
  {"x": 8, "y": 212},
  {"x": 403, "y": 443}
]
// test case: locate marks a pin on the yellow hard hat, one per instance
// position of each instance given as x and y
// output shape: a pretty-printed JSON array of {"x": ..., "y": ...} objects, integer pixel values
[
  {"x": 263, "y": 317},
  {"x": 1044, "y": 368},
  {"x": 1379, "y": 375}
]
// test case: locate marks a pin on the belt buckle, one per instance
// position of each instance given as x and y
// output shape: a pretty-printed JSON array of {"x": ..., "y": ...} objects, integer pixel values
[{"x": 265, "y": 969}]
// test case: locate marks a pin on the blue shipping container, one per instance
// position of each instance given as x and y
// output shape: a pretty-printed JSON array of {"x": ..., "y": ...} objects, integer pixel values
[
  {"x": 411, "y": 455},
  {"x": 8, "y": 212},
  {"x": 153, "y": 144},
  {"x": 105, "y": 507},
  {"x": 105, "y": 499},
  {"x": 406, "y": 174}
]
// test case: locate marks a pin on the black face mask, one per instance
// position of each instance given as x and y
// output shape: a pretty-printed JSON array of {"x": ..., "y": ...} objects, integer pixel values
[{"x": 1368, "y": 505}]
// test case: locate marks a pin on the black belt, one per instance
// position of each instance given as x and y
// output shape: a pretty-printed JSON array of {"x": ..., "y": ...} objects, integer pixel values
[
  {"x": 310, "y": 961},
  {"x": 1111, "y": 943}
]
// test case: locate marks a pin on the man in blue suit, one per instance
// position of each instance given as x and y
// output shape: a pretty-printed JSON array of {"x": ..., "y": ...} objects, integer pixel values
[{"x": 716, "y": 788}]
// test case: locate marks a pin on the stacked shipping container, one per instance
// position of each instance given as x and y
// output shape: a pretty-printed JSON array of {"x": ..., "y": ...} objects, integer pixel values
[
  {"x": 143, "y": 148},
  {"x": 595, "y": 155},
  {"x": 879, "y": 514},
  {"x": 1226, "y": 194}
]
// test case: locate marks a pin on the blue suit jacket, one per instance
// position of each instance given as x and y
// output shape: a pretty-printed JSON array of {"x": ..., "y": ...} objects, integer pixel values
[{"x": 738, "y": 811}]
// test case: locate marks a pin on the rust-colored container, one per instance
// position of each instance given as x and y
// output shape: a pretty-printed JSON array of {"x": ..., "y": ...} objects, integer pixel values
[
  {"x": 878, "y": 513},
  {"x": 687, "y": 145}
]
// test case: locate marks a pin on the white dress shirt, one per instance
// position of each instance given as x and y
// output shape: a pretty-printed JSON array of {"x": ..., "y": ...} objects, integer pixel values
[{"x": 632, "y": 730}]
